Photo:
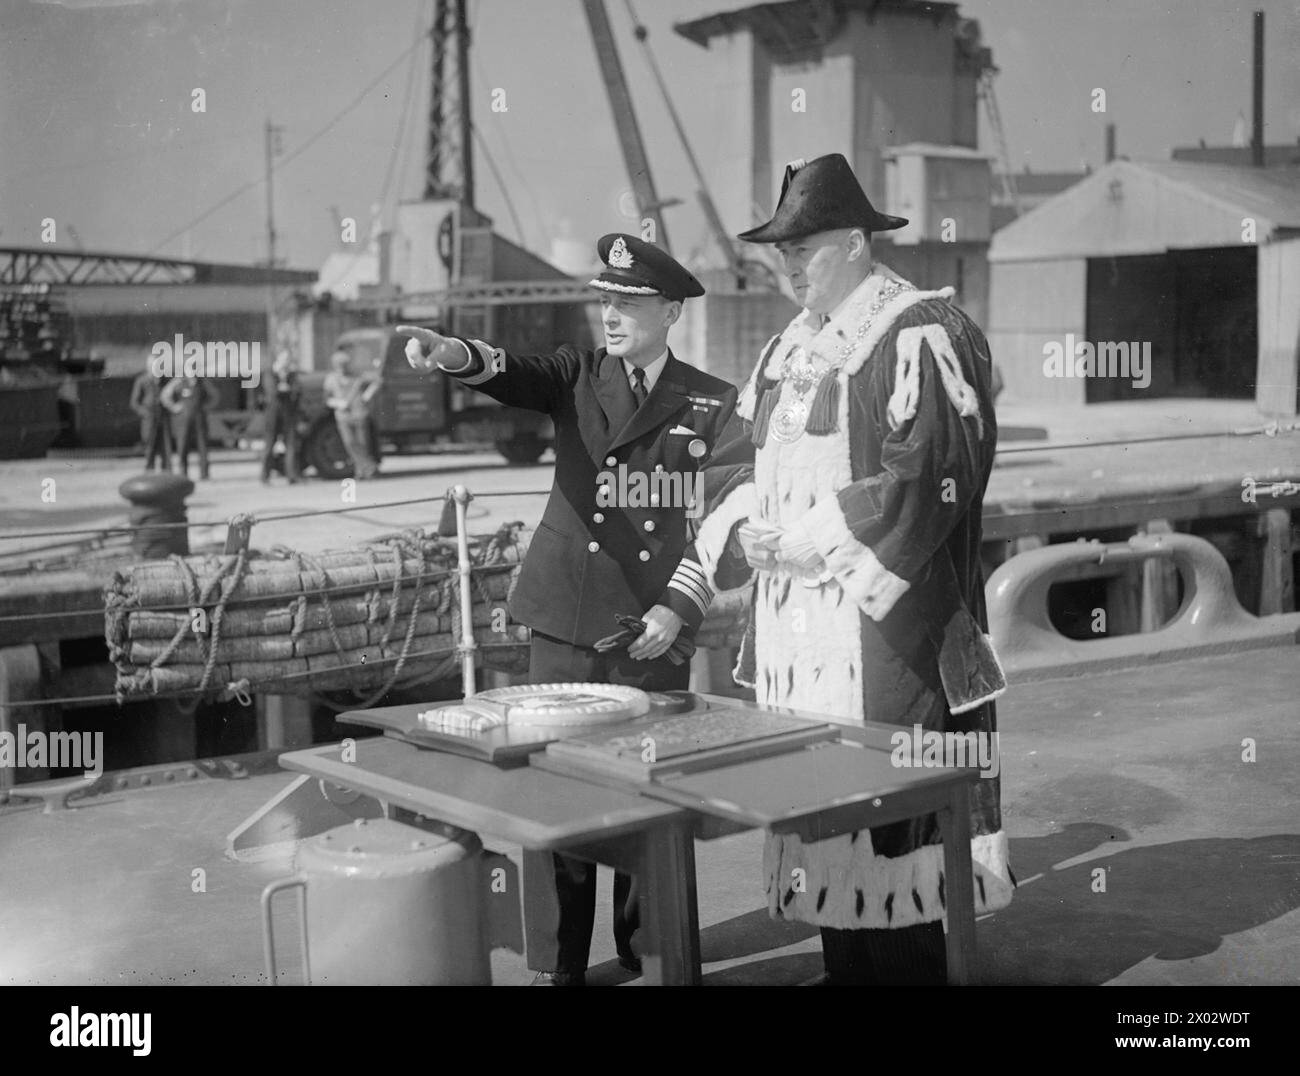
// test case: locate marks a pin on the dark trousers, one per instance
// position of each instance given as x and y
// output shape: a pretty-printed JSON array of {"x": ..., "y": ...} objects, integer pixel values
[
  {"x": 280, "y": 421},
  {"x": 157, "y": 437},
  {"x": 910, "y": 956},
  {"x": 191, "y": 432},
  {"x": 554, "y": 661}
]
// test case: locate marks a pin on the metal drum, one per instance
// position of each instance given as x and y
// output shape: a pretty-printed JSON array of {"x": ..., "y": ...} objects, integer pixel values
[{"x": 383, "y": 903}]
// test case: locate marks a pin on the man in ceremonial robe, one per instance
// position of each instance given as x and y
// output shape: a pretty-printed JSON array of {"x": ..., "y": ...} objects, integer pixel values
[{"x": 850, "y": 502}]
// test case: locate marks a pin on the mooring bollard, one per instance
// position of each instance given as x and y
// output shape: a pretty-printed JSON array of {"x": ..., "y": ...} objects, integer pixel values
[{"x": 158, "y": 499}]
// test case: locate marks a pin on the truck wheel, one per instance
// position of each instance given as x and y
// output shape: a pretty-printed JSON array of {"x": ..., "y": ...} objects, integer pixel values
[
  {"x": 522, "y": 449},
  {"x": 325, "y": 452}
]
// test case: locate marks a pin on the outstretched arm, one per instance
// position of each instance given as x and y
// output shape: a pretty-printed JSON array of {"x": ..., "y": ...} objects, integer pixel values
[{"x": 534, "y": 382}]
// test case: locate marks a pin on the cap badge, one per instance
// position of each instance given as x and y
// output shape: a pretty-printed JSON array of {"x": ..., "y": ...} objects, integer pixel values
[{"x": 619, "y": 256}]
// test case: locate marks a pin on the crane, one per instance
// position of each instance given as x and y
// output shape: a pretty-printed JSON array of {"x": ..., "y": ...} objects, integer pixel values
[
  {"x": 999, "y": 135},
  {"x": 629, "y": 132}
]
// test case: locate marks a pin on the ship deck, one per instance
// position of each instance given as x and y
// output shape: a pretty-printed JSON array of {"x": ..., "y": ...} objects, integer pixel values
[{"x": 1137, "y": 774}]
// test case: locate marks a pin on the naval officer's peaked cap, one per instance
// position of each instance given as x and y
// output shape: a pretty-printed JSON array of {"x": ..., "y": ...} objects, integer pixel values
[
  {"x": 819, "y": 196},
  {"x": 635, "y": 267}
]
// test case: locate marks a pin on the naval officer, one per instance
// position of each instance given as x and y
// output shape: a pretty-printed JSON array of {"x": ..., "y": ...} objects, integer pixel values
[{"x": 633, "y": 426}]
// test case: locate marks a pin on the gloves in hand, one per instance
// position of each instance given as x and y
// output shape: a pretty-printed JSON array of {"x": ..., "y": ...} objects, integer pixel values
[
  {"x": 795, "y": 548},
  {"x": 632, "y": 629},
  {"x": 758, "y": 539}
]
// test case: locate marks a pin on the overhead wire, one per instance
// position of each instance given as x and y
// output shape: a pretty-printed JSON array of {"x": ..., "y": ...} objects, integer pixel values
[
  {"x": 538, "y": 217},
  {"x": 292, "y": 154},
  {"x": 398, "y": 147},
  {"x": 505, "y": 193}
]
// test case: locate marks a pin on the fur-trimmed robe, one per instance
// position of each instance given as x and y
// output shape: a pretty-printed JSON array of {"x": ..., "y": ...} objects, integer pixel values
[{"x": 892, "y": 498}]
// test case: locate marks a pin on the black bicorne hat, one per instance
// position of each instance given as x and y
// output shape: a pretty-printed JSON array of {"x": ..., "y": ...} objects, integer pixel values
[
  {"x": 819, "y": 196},
  {"x": 635, "y": 267}
]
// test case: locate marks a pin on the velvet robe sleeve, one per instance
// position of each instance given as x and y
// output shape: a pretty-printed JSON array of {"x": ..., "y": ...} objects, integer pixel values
[
  {"x": 729, "y": 500},
  {"x": 690, "y": 590},
  {"x": 879, "y": 534}
]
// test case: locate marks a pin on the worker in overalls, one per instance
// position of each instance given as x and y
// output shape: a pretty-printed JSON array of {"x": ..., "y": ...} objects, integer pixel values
[
  {"x": 188, "y": 399},
  {"x": 626, "y": 409},
  {"x": 348, "y": 395},
  {"x": 280, "y": 417},
  {"x": 155, "y": 432}
]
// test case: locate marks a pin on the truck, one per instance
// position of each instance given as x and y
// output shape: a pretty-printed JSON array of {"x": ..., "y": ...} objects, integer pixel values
[{"x": 412, "y": 411}]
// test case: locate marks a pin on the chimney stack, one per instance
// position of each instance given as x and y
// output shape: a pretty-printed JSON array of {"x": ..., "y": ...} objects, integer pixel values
[{"x": 1257, "y": 132}]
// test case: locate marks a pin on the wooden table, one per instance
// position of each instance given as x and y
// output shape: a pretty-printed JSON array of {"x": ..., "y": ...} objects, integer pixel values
[
  {"x": 543, "y": 813},
  {"x": 824, "y": 790},
  {"x": 648, "y": 829}
]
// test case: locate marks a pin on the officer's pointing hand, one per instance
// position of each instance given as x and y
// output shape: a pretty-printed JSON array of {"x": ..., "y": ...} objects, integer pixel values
[
  {"x": 661, "y": 628},
  {"x": 424, "y": 347}
]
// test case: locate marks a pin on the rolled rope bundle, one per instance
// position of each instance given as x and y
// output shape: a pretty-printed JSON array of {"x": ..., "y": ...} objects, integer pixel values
[{"x": 373, "y": 616}]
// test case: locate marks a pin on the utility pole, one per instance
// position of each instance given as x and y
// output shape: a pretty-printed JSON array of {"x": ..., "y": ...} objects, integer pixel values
[
  {"x": 272, "y": 133},
  {"x": 1257, "y": 95},
  {"x": 272, "y": 140}
]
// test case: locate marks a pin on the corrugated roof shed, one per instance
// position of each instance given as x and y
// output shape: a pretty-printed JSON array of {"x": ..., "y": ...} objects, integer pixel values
[{"x": 1148, "y": 207}]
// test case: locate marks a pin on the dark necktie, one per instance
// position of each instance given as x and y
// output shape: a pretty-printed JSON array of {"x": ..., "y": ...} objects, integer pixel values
[{"x": 638, "y": 388}]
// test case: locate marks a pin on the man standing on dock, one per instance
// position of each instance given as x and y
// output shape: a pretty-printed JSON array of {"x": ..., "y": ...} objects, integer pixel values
[
  {"x": 629, "y": 414},
  {"x": 280, "y": 416},
  {"x": 348, "y": 395},
  {"x": 851, "y": 500},
  {"x": 155, "y": 432},
  {"x": 189, "y": 399}
]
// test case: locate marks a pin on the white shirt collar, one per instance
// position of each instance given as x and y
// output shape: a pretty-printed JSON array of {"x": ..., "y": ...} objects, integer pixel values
[{"x": 652, "y": 371}]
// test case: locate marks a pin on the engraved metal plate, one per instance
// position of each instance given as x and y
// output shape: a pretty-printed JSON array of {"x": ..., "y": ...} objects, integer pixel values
[{"x": 692, "y": 741}]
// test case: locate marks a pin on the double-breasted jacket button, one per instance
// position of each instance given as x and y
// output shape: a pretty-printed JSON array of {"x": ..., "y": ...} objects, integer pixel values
[
  {"x": 610, "y": 461},
  {"x": 659, "y": 468},
  {"x": 644, "y": 554},
  {"x": 593, "y": 547},
  {"x": 649, "y": 524},
  {"x": 599, "y": 517}
]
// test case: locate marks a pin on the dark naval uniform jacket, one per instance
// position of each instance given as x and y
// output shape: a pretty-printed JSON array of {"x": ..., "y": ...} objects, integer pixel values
[{"x": 612, "y": 538}]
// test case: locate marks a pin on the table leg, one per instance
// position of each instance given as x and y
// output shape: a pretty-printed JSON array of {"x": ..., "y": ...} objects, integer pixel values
[
  {"x": 954, "y": 825},
  {"x": 541, "y": 911},
  {"x": 670, "y": 924}
]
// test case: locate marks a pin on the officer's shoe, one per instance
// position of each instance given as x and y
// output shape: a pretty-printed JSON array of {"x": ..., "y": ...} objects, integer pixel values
[{"x": 560, "y": 978}]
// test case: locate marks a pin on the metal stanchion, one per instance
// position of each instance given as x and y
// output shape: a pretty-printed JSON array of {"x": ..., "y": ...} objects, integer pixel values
[{"x": 462, "y": 496}]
